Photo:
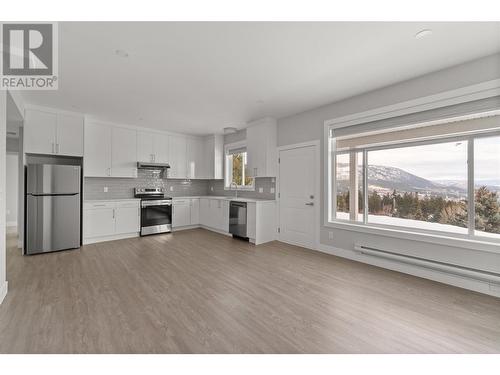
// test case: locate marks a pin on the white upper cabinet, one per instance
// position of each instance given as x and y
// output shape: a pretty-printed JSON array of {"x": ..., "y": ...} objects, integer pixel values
[
  {"x": 214, "y": 156},
  {"x": 261, "y": 148},
  {"x": 196, "y": 163},
  {"x": 110, "y": 151},
  {"x": 40, "y": 132},
  {"x": 53, "y": 133},
  {"x": 152, "y": 147},
  {"x": 97, "y": 151},
  {"x": 123, "y": 152},
  {"x": 69, "y": 135},
  {"x": 160, "y": 148},
  {"x": 177, "y": 156},
  {"x": 145, "y": 151}
]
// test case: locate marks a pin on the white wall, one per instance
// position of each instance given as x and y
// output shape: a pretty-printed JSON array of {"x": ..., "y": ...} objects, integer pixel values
[
  {"x": 12, "y": 169},
  {"x": 309, "y": 126},
  {"x": 3, "y": 127}
]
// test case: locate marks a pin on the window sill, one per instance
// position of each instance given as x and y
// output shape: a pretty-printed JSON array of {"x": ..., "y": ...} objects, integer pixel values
[{"x": 444, "y": 239}]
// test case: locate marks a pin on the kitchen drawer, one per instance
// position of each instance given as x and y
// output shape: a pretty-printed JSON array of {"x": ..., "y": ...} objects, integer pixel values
[
  {"x": 98, "y": 205},
  {"x": 127, "y": 204}
]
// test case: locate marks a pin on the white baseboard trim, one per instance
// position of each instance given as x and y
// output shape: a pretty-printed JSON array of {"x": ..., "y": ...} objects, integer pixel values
[
  {"x": 88, "y": 241},
  {"x": 442, "y": 277},
  {"x": 3, "y": 291},
  {"x": 216, "y": 230},
  {"x": 185, "y": 227}
]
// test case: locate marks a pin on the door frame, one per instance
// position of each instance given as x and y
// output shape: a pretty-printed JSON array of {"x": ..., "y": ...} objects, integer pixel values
[{"x": 317, "y": 194}]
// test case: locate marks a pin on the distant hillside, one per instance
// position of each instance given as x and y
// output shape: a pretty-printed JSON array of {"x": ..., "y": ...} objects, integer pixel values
[{"x": 389, "y": 178}]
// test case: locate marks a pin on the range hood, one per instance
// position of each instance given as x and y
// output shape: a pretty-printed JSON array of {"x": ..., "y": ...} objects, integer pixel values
[{"x": 155, "y": 166}]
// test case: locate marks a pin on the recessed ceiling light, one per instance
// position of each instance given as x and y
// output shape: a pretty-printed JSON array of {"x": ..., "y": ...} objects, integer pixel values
[
  {"x": 230, "y": 130},
  {"x": 121, "y": 53},
  {"x": 423, "y": 33}
]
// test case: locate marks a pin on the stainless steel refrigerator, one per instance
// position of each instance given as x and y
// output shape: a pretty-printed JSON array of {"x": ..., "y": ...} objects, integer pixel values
[{"x": 52, "y": 208}]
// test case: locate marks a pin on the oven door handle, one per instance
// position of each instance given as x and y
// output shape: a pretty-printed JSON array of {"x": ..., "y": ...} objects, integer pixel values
[{"x": 144, "y": 204}]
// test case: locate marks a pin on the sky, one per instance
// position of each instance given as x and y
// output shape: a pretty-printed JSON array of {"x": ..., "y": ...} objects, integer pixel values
[{"x": 444, "y": 161}]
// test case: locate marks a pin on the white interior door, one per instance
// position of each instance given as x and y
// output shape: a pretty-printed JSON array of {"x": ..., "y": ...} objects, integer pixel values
[{"x": 298, "y": 200}]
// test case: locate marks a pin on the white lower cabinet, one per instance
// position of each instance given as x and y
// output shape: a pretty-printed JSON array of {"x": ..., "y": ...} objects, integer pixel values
[
  {"x": 261, "y": 222},
  {"x": 195, "y": 211},
  {"x": 185, "y": 212},
  {"x": 127, "y": 219},
  {"x": 181, "y": 213},
  {"x": 214, "y": 213},
  {"x": 109, "y": 220},
  {"x": 99, "y": 221}
]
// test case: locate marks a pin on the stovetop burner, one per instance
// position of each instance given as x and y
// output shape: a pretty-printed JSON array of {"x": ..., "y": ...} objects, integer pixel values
[{"x": 150, "y": 193}]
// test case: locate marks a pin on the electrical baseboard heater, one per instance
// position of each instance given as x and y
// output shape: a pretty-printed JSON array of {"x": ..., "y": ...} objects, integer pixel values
[{"x": 431, "y": 264}]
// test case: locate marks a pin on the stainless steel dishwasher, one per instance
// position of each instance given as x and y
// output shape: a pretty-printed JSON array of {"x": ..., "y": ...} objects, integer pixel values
[{"x": 238, "y": 219}]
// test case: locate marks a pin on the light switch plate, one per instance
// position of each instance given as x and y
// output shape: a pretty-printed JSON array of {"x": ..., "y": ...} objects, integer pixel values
[
  {"x": 261, "y": 190},
  {"x": 105, "y": 189}
]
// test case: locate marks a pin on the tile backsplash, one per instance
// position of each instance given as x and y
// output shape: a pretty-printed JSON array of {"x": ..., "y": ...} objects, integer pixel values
[
  {"x": 123, "y": 188},
  {"x": 216, "y": 187}
]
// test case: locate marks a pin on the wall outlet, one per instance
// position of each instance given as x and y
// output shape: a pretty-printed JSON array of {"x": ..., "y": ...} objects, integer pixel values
[
  {"x": 272, "y": 190},
  {"x": 171, "y": 188},
  {"x": 261, "y": 190},
  {"x": 330, "y": 235},
  {"x": 105, "y": 189}
]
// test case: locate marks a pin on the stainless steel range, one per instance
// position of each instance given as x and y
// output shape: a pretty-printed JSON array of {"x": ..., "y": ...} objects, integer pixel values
[{"x": 156, "y": 211}]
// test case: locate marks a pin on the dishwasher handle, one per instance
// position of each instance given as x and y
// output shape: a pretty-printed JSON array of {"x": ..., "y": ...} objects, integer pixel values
[{"x": 238, "y": 204}]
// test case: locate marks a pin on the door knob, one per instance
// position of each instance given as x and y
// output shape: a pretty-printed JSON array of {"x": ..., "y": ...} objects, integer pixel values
[{"x": 310, "y": 204}]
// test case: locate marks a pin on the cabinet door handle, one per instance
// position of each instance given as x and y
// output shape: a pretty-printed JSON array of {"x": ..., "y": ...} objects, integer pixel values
[
  {"x": 310, "y": 204},
  {"x": 113, "y": 213},
  {"x": 109, "y": 171},
  {"x": 57, "y": 148}
]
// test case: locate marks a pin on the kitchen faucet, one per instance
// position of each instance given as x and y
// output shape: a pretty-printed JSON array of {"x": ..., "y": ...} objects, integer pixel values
[{"x": 235, "y": 188}]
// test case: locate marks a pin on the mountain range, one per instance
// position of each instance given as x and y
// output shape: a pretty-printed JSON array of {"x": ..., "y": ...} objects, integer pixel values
[{"x": 383, "y": 178}]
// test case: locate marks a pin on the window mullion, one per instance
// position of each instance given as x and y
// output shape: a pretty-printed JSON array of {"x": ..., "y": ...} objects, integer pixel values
[
  {"x": 243, "y": 162},
  {"x": 470, "y": 187},
  {"x": 365, "y": 186},
  {"x": 333, "y": 169}
]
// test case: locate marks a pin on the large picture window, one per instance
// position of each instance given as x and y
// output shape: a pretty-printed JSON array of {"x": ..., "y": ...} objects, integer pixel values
[{"x": 437, "y": 178}]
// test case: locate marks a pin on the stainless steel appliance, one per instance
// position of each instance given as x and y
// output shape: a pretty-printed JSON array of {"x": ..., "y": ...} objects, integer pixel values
[
  {"x": 53, "y": 208},
  {"x": 156, "y": 211},
  {"x": 238, "y": 219},
  {"x": 153, "y": 165}
]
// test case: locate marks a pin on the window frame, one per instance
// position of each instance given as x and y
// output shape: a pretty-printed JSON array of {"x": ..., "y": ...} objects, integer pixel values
[
  {"x": 469, "y": 240},
  {"x": 228, "y": 168}
]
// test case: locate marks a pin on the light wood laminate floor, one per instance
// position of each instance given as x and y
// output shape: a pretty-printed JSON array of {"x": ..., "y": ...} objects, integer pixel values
[{"x": 200, "y": 292}]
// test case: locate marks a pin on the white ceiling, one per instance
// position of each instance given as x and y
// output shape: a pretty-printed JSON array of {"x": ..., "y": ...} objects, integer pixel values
[{"x": 200, "y": 77}]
